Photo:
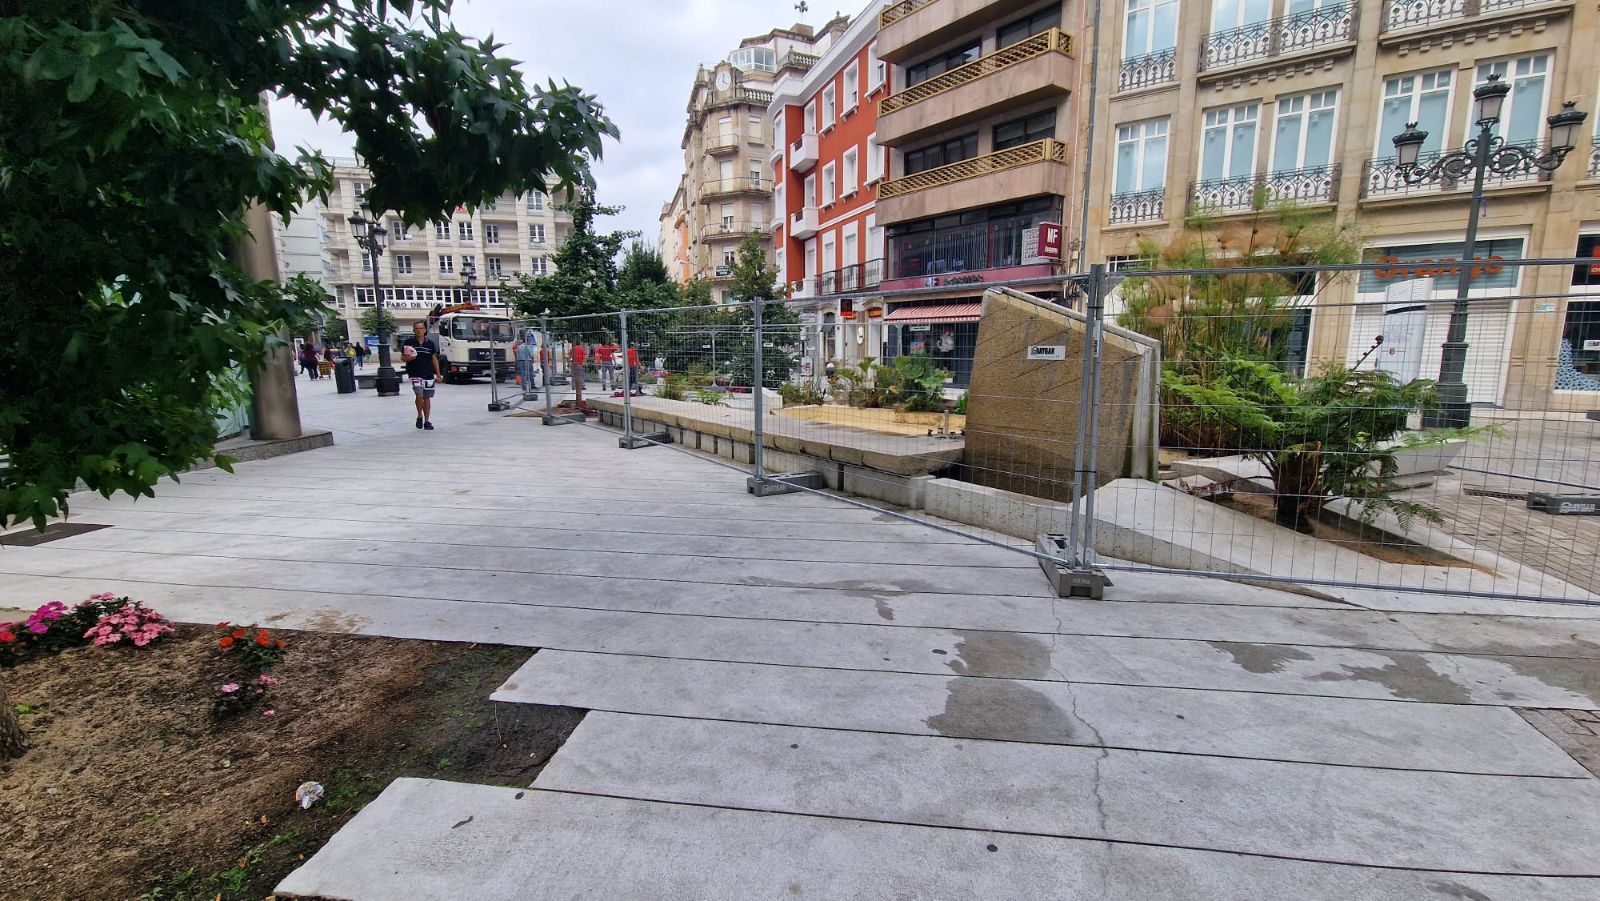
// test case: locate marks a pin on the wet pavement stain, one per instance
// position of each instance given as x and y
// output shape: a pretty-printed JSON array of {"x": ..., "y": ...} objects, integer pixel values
[
  {"x": 1259, "y": 658},
  {"x": 1406, "y": 676},
  {"x": 1456, "y": 890},
  {"x": 1581, "y": 677},
  {"x": 1003, "y": 710},
  {"x": 884, "y": 610},
  {"x": 1002, "y": 655}
]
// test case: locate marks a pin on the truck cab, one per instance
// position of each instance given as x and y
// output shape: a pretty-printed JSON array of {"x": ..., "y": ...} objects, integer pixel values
[{"x": 471, "y": 345}]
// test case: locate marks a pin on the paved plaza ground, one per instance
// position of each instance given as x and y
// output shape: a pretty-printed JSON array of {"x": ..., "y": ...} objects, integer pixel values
[{"x": 791, "y": 697}]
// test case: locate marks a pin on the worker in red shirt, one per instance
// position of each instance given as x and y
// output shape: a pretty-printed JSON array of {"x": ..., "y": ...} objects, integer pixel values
[
  {"x": 580, "y": 355},
  {"x": 633, "y": 372},
  {"x": 606, "y": 354}
]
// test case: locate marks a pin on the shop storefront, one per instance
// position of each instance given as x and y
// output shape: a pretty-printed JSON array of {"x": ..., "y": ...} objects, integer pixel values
[
  {"x": 1578, "y": 358},
  {"x": 1491, "y": 326},
  {"x": 945, "y": 330}
]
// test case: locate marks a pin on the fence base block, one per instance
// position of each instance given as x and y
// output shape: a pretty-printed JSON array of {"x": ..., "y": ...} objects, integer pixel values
[
  {"x": 784, "y": 483},
  {"x": 1564, "y": 504},
  {"x": 1070, "y": 580},
  {"x": 638, "y": 441},
  {"x": 563, "y": 419}
]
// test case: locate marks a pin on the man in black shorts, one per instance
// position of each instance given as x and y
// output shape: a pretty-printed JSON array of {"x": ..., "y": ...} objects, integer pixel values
[{"x": 422, "y": 368}]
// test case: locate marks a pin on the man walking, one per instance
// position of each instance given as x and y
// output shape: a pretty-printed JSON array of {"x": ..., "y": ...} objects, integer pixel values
[
  {"x": 607, "y": 352},
  {"x": 422, "y": 367},
  {"x": 580, "y": 355}
]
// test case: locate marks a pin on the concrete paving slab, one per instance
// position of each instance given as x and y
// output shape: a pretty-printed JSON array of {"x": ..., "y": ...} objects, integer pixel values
[
  {"x": 1452, "y": 738},
  {"x": 1230, "y": 666},
  {"x": 1370, "y": 817},
  {"x": 423, "y": 840}
]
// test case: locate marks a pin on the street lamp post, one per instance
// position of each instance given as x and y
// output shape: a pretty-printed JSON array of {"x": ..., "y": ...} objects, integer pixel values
[
  {"x": 370, "y": 236},
  {"x": 1485, "y": 154}
]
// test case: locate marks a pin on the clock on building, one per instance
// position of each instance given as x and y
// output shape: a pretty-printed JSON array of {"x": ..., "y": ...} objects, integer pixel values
[{"x": 724, "y": 80}]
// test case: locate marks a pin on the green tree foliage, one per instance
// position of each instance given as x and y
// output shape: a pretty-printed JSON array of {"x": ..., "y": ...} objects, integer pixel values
[
  {"x": 585, "y": 277},
  {"x": 754, "y": 279},
  {"x": 133, "y": 138},
  {"x": 376, "y": 322}
]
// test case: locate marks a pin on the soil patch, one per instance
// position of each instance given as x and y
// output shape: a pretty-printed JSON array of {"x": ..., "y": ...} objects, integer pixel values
[
  {"x": 133, "y": 790},
  {"x": 1372, "y": 543}
]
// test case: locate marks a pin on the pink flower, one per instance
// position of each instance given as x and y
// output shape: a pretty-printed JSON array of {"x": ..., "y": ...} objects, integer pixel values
[
  {"x": 38, "y": 628},
  {"x": 265, "y": 679},
  {"x": 230, "y": 688},
  {"x": 269, "y": 713},
  {"x": 104, "y": 596}
]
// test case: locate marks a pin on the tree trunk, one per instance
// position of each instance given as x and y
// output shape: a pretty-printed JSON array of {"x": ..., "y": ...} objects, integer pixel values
[
  {"x": 1296, "y": 479},
  {"x": 12, "y": 740}
]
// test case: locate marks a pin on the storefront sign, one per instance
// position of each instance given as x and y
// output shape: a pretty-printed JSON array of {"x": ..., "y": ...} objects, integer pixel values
[
  {"x": 1591, "y": 344},
  {"x": 1425, "y": 268},
  {"x": 1042, "y": 243},
  {"x": 919, "y": 328},
  {"x": 1405, "y": 324},
  {"x": 966, "y": 278},
  {"x": 1443, "y": 261},
  {"x": 1047, "y": 351},
  {"x": 874, "y": 312}
]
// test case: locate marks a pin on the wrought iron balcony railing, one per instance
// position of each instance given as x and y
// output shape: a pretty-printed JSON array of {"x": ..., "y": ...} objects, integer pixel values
[
  {"x": 1312, "y": 185},
  {"x": 1149, "y": 70},
  {"x": 1278, "y": 37},
  {"x": 1594, "y": 159},
  {"x": 1398, "y": 14},
  {"x": 1383, "y": 177},
  {"x": 1039, "y": 151},
  {"x": 856, "y": 277},
  {"x": 726, "y": 186},
  {"x": 1052, "y": 41},
  {"x": 1138, "y": 206},
  {"x": 894, "y": 12}
]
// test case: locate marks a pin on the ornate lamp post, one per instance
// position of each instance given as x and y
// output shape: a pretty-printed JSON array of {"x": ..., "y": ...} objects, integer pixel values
[
  {"x": 370, "y": 237},
  {"x": 1485, "y": 154}
]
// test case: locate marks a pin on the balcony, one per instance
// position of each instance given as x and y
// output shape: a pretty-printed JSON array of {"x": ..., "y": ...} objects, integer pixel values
[
  {"x": 1028, "y": 70},
  {"x": 794, "y": 59},
  {"x": 1266, "y": 41},
  {"x": 733, "y": 187},
  {"x": 1383, "y": 179},
  {"x": 737, "y": 230},
  {"x": 803, "y": 153},
  {"x": 911, "y": 27},
  {"x": 1594, "y": 159},
  {"x": 722, "y": 145},
  {"x": 1247, "y": 193},
  {"x": 1138, "y": 206},
  {"x": 856, "y": 277},
  {"x": 1399, "y": 15},
  {"x": 804, "y": 223},
  {"x": 1031, "y": 170},
  {"x": 1148, "y": 71}
]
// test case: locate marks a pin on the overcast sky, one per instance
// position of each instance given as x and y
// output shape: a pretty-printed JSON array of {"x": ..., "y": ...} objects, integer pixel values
[{"x": 638, "y": 57}]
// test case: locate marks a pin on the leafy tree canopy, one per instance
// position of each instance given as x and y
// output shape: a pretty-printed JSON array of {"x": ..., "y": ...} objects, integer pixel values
[
  {"x": 585, "y": 277},
  {"x": 134, "y": 137}
]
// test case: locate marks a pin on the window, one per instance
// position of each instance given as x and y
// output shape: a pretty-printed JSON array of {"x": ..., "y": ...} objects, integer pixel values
[
  {"x": 1227, "y": 15},
  {"x": 810, "y": 198},
  {"x": 360, "y": 189},
  {"x": 829, "y": 105},
  {"x": 1522, "y": 117},
  {"x": 538, "y": 266},
  {"x": 1228, "y": 147},
  {"x": 810, "y": 125},
  {"x": 398, "y": 231},
  {"x": 536, "y": 232},
  {"x": 1141, "y": 157},
  {"x": 849, "y": 163},
  {"x": 464, "y": 230},
  {"x": 1303, "y": 138},
  {"x": 852, "y": 85},
  {"x": 1151, "y": 26},
  {"x": 942, "y": 153},
  {"x": 441, "y": 231},
  {"x": 727, "y": 217},
  {"x": 535, "y": 201},
  {"x": 447, "y": 264},
  {"x": 469, "y": 265},
  {"x": 1026, "y": 130},
  {"x": 874, "y": 238},
  {"x": 850, "y": 239},
  {"x": 491, "y": 206},
  {"x": 1423, "y": 98},
  {"x": 830, "y": 186},
  {"x": 756, "y": 59},
  {"x": 879, "y": 71},
  {"x": 402, "y": 264},
  {"x": 943, "y": 63},
  {"x": 495, "y": 267},
  {"x": 491, "y": 233},
  {"x": 874, "y": 159},
  {"x": 1028, "y": 26},
  {"x": 755, "y": 173},
  {"x": 830, "y": 253},
  {"x": 728, "y": 258},
  {"x": 366, "y": 262}
]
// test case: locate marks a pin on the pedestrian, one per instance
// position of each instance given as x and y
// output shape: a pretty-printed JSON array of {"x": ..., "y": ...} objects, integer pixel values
[
  {"x": 607, "y": 352},
  {"x": 526, "y": 352},
  {"x": 580, "y": 355},
  {"x": 308, "y": 360},
  {"x": 361, "y": 354},
  {"x": 422, "y": 367},
  {"x": 633, "y": 372}
]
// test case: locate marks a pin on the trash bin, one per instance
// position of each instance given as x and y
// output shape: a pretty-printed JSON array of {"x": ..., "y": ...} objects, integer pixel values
[{"x": 344, "y": 375}]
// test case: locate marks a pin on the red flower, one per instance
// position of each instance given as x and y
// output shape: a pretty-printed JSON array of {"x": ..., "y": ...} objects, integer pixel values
[
  {"x": 263, "y": 640},
  {"x": 281, "y": 645},
  {"x": 239, "y": 633},
  {"x": 227, "y": 641},
  {"x": 7, "y": 636},
  {"x": 224, "y": 625}
]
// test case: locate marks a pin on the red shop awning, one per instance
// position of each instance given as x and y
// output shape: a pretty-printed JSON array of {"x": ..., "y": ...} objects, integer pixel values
[{"x": 937, "y": 312}]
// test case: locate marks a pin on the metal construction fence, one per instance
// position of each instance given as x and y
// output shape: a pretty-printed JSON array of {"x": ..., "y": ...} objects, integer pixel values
[{"x": 1349, "y": 427}]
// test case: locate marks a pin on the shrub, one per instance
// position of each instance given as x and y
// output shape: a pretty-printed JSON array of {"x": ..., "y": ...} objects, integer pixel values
[
  {"x": 800, "y": 394},
  {"x": 55, "y": 627},
  {"x": 135, "y": 622},
  {"x": 711, "y": 398},
  {"x": 257, "y": 647},
  {"x": 675, "y": 387},
  {"x": 961, "y": 403}
]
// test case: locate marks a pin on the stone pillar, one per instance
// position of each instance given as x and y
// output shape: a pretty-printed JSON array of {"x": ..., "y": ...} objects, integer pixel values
[{"x": 274, "y": 404}]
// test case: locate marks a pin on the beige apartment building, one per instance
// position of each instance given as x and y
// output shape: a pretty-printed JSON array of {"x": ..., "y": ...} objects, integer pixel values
[
  {"x": 1211, "y": 106},
  {"x": 422, "y": 267},
  {"x": 725, "y": 193}
]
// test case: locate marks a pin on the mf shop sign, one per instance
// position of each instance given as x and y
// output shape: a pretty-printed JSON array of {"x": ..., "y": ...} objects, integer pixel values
[
  {"x": 1042, "y": 243},
  {"x": 1047, "y": 351}
]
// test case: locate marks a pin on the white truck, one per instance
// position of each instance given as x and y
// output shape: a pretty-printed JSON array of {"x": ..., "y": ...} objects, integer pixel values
[{"x": 472, "y": 345}]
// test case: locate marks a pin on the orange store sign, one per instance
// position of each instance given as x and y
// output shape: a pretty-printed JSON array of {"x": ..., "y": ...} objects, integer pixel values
[{"x": 1394, "y": 267}]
